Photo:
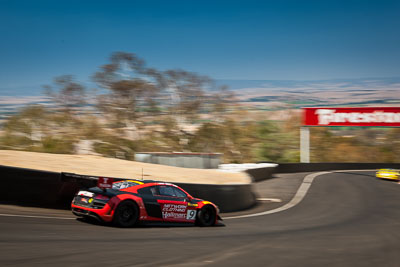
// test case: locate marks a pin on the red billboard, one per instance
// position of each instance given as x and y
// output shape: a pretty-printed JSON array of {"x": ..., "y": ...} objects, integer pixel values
[{"x": 364, "y": 116}]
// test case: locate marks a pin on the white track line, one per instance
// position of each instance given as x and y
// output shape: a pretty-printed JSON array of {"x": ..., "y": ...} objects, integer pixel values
[
  {"x": 301, "y": 192},
  {"x": 32, "y": 216}
]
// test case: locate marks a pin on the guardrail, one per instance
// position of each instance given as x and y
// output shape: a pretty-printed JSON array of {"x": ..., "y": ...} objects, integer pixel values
[{"x": 30, "y": 187}]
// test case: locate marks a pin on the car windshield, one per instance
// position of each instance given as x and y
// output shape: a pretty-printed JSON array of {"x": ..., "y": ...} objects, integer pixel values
[{"x": 124, "y": 184}]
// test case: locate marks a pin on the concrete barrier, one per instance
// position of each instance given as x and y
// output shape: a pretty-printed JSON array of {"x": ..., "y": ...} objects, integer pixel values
[
  {"x": 316, "y": 167},
  {"x": 264, "y": 173},
  {"x": 33, "y": 187},
  {"x": 257, "y": 171},
  {"x": 228, "y": 198},
  {"x": 29, "y": 187},
  {"x": 261, "y": 174}
]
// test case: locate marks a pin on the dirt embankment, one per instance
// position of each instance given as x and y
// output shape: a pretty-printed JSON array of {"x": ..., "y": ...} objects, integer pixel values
[{"x": 99, "y": 166}]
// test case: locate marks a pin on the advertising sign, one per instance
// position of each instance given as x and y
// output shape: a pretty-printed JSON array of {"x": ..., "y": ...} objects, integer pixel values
[{"x": 363, "y": 116}]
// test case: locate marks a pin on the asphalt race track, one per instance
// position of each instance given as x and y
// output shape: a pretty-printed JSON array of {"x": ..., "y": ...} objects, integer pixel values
[{"x": 345, "y": 219}]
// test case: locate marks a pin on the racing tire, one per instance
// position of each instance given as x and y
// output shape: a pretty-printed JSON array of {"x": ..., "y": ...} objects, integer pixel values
[
  {"x": 126, "y": 214},
  {"x": 206, "y": 216}
]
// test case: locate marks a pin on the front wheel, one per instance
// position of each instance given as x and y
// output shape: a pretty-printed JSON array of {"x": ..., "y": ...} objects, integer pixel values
[
  {"x": 206, "y": 216},
  {"x": 126, "y": 214}
]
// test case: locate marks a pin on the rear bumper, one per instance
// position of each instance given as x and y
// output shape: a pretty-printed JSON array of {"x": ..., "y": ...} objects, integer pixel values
[
  {"x": 105, "y": 214},
  {"x": 85, "y": 213}
]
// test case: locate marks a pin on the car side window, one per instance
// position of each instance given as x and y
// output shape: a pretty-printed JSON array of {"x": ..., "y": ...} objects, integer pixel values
[
  {"x": 179, "y": 193},
  {"x": 166, "y": 190},
  {"x": 148, "y": 191}
]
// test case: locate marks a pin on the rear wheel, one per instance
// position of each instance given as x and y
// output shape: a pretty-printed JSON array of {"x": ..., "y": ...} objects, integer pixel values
[
  {"x": 126, "y": 214},
  {"x": 206, "y": 216}
]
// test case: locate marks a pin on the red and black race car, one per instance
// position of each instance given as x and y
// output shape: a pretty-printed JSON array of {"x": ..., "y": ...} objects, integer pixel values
[{"x": 128, "y": 202}]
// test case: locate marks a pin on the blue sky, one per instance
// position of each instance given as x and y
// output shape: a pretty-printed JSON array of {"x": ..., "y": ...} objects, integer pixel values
[{"x": 245, "y": 40}]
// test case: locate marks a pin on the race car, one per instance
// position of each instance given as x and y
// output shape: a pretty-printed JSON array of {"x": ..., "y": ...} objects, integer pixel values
[
  {"x": 389, "y": 174},
  {"x": 129, "y": 202}
]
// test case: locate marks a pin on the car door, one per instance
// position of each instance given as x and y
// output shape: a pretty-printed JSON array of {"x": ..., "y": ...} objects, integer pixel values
[
  {"x": 153, "y": 208},
  {"x": 174, "y": 204}
]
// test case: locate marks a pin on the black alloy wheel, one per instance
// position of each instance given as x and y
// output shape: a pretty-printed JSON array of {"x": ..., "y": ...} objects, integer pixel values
[
  {"x": 126, "y": 214},
  {"x": 206, "y": 216}
]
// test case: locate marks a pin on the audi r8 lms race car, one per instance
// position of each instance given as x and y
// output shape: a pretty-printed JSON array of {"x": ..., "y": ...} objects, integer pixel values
[
  {"x": 128, "y": 202},
  {"x": 389, "y": 174}
]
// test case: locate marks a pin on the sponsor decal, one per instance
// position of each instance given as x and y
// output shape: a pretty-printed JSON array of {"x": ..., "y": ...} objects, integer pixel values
[
  {"x": 368, "y": 116},
  {"x": 174, "y": 208},
  {"x": 173, "y": 215},
  {"x": 174, "y": 211}
]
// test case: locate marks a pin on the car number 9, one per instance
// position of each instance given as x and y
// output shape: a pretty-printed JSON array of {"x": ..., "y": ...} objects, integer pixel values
[{"x": 191, "y": 215}]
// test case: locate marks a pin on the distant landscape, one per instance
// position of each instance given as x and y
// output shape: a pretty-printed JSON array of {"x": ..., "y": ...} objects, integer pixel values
[
  {"x": 294, "y": 94},
  {"x": 259, "y": 95}
]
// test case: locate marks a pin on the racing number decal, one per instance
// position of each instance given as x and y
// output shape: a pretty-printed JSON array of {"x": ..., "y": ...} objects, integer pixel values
[{"x": 191, "y": 215}]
